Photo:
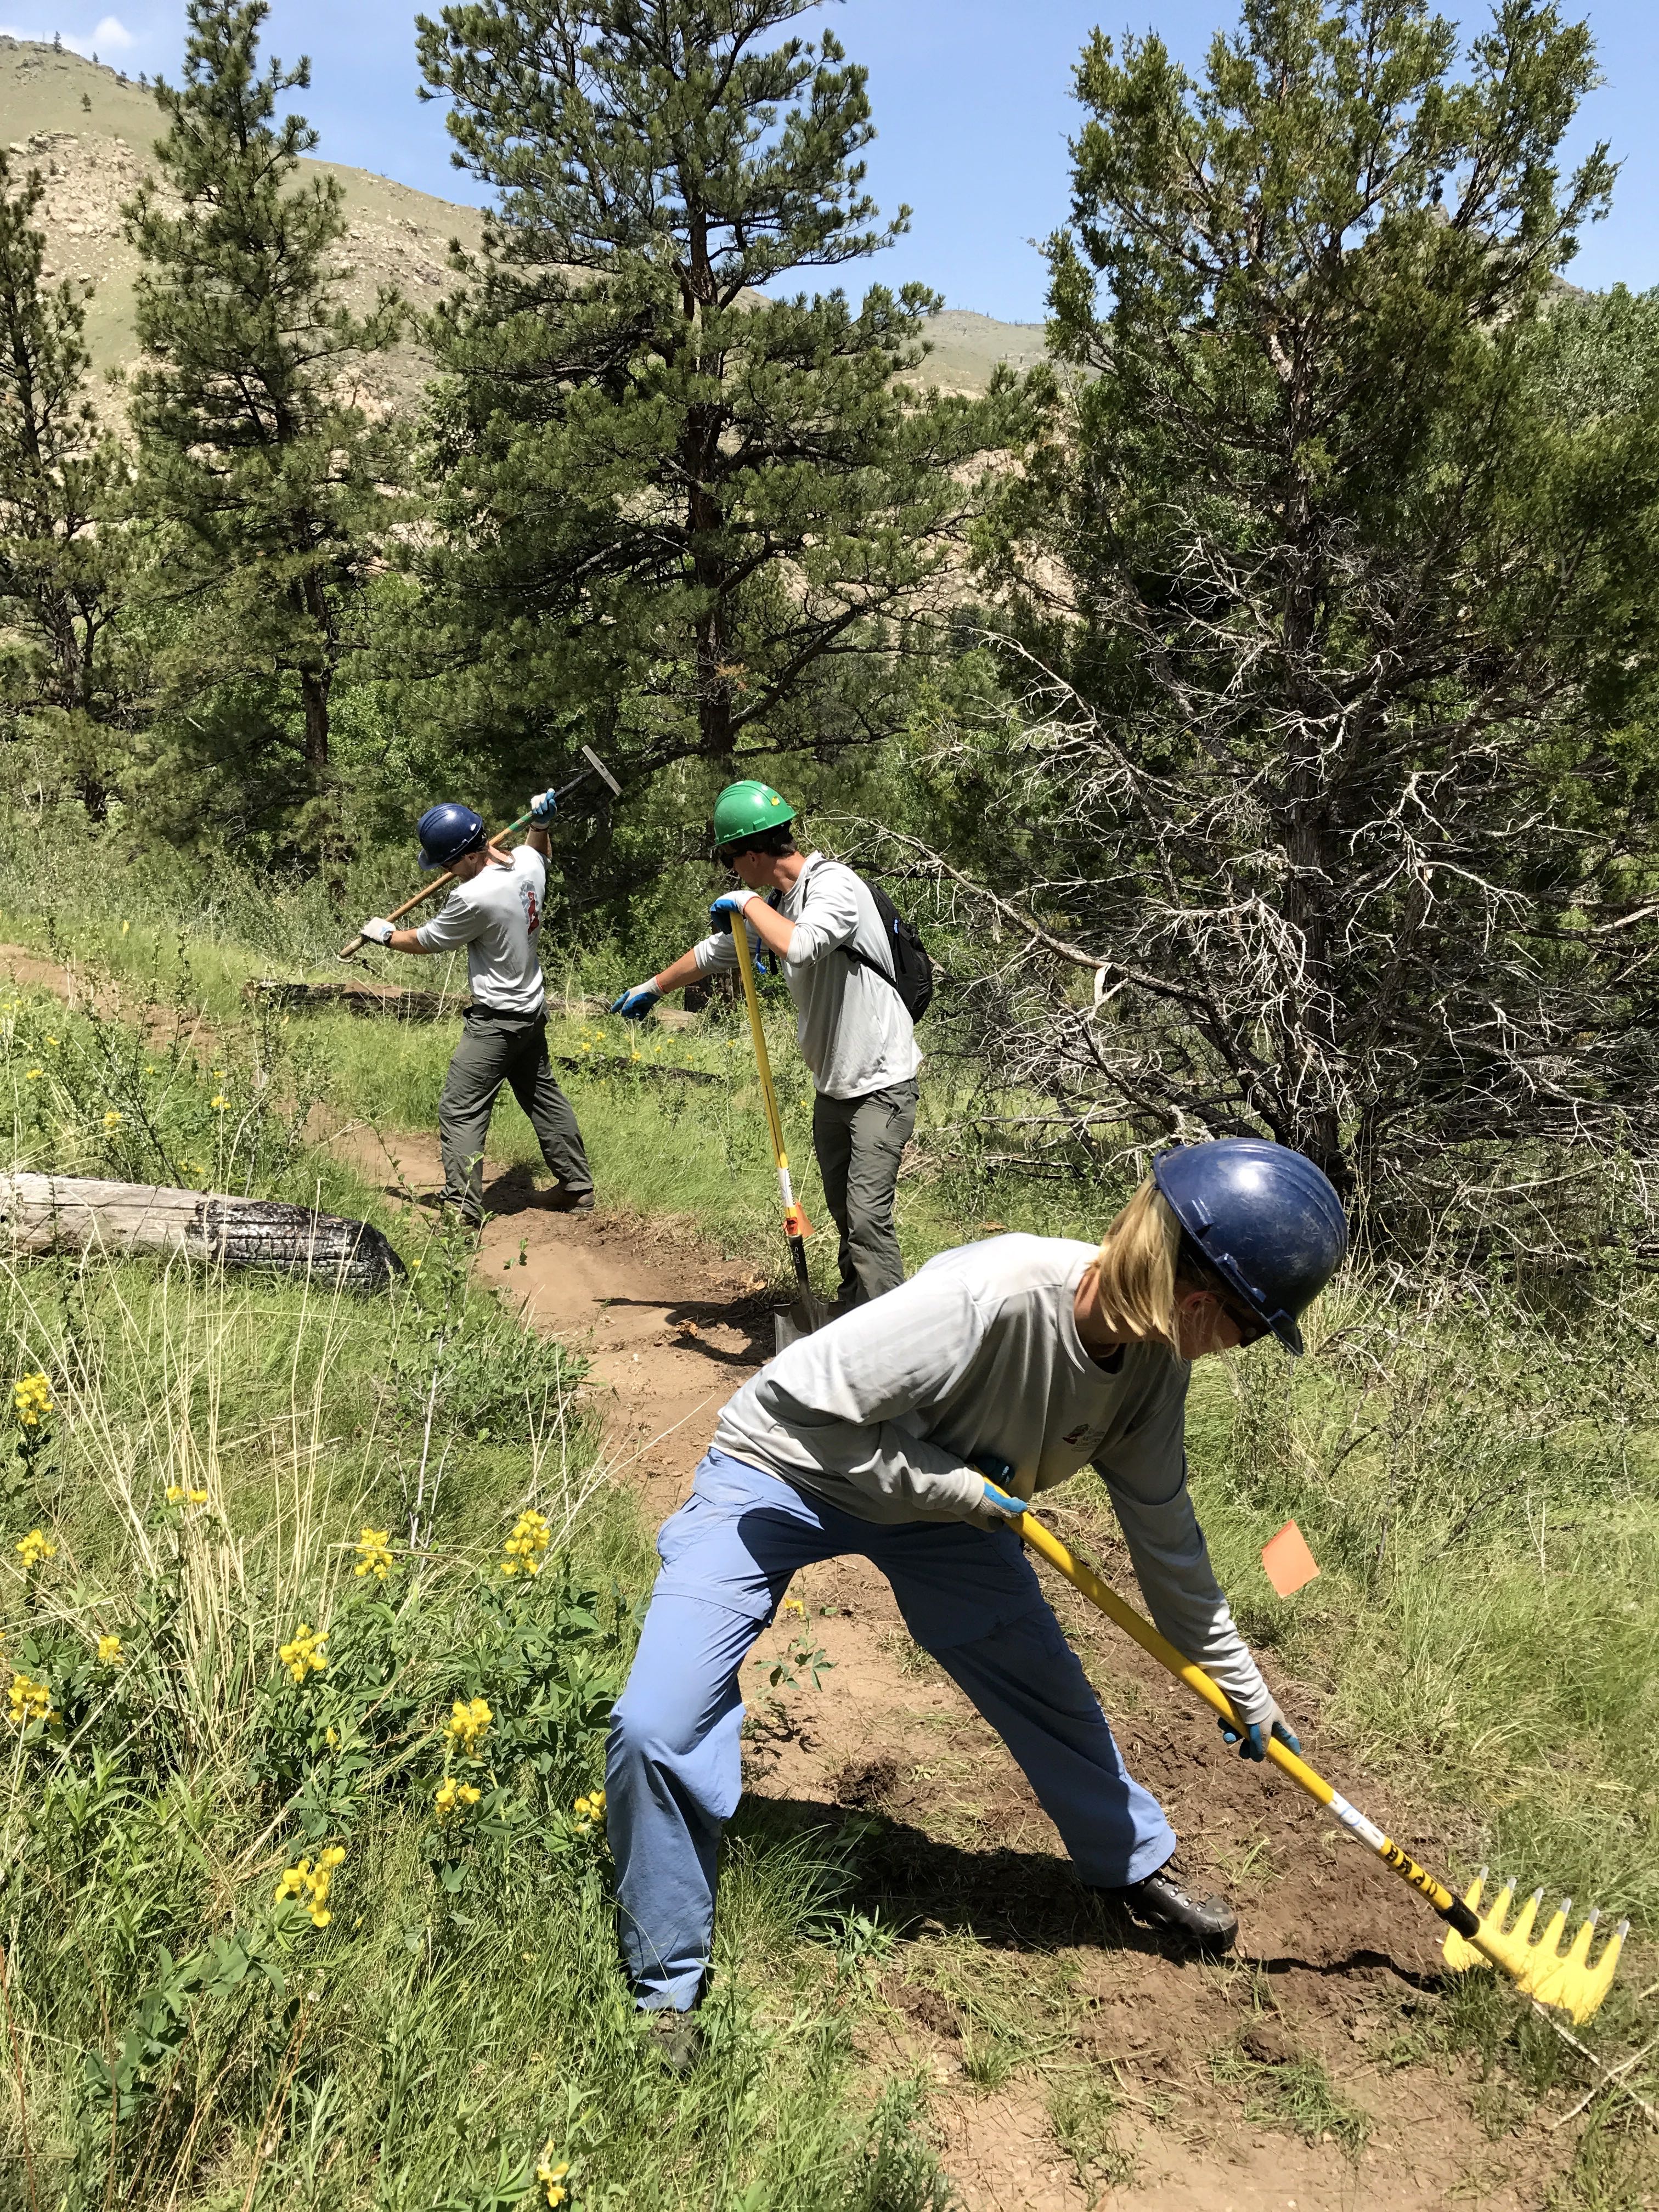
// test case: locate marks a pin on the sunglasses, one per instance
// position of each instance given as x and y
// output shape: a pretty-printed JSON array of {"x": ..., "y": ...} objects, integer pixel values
[
  {"x": 1250, "y": 1326},
  {"x": 726, "y": 853}
]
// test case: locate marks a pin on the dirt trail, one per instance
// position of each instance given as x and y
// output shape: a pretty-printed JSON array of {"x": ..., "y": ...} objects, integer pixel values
[{"x": 1333, "y": 1959}]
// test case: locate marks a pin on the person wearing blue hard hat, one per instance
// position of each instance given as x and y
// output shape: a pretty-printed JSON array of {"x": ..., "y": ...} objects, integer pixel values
[
  {"x": 913, "y": 1430},
  {"x": 495, "y": 912}
]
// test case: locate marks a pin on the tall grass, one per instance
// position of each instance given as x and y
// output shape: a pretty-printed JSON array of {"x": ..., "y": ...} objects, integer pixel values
[{"x": 212, "y": 1454}]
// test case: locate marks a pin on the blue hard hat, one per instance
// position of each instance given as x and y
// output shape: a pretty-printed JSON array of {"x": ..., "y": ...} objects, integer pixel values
[
  {"x": 447, "y": 833},
  {"x": 1263, "y": 1218}
]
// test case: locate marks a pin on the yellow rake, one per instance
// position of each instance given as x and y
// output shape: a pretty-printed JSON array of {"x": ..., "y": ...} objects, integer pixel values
[{"x": 1566, "y": 1979}]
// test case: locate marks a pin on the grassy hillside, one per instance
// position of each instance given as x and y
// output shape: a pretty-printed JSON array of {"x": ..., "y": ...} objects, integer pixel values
[
  {"x": 92, "y": 158},
  {"x": 1478, "y": 1482}
]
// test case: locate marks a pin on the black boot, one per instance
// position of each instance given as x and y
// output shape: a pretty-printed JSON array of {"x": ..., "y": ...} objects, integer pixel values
[
  {"x": 677, "y": 2039},
  {"x": 1209, "y": 1924}
]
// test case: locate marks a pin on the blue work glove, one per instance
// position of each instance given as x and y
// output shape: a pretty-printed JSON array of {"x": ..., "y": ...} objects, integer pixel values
[
  {"x": 634, "y": 1005},
  {"x": 542, "y": 807},
  {"x": 1253, "y": 1743},
  {"x": 727, "y": 904}
]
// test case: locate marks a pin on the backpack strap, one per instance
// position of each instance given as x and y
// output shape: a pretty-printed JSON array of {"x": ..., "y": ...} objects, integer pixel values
[{"x": 862, "y": 959}]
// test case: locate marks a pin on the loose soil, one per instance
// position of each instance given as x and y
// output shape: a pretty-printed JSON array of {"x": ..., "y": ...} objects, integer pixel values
[{"x": 1116, "y": 2040}]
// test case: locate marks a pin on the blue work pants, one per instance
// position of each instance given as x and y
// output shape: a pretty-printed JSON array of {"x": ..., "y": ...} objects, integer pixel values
[{"x": 968, "y": 1596}]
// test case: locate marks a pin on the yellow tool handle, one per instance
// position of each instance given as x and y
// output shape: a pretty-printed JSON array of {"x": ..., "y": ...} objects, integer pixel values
[
  {"x": 1043, "y": 1539},
  {"x": 751, "y": 997},
  {"x": 426, "y": 891}
]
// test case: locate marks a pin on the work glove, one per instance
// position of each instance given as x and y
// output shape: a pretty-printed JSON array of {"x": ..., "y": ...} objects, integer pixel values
[
  {"x": 542, "y": 807},
  {"x": 377, "y": 932},
  {"x": 634, "y": 1005},
  {"x": 998, "y": 1506},
  {"x": 1253, "y": 1742},
  {"x": 727, "y": 904}
]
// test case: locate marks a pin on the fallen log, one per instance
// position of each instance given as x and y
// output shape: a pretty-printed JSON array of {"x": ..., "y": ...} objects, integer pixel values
[
  {"x": 41, "y": 1214},
  {"x": 382, "y": 1001}
]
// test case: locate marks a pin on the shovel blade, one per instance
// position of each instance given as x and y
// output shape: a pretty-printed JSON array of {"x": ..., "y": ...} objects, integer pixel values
[{"x": 807, "y": 1314}]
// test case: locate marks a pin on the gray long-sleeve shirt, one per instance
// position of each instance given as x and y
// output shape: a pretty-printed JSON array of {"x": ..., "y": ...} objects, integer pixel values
[
  {"x": 979, "y": 1352},
  {"x": 855, "y": 1032}
]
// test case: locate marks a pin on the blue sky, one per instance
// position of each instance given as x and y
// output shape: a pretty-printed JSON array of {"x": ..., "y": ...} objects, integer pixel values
[{"x": 972, "y": 98}]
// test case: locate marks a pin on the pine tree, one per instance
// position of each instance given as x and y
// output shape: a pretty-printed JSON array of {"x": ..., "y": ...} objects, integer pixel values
[
  {"x": 261, "y": 469},
  {"x": 1340, "y": 561},
  {"x": 62, "y": 565},
  {"x": 660, "y": 484}
]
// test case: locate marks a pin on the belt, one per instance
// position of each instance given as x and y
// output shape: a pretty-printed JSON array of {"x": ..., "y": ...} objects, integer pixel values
[{"x": 504, "y": 1013}]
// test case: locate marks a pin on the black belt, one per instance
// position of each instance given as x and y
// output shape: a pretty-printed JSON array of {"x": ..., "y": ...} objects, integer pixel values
[{"x": 505, "y": 1013}]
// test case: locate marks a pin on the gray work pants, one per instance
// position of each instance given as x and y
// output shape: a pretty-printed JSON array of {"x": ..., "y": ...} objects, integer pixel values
[
  {"x": 859, "y": 1142},
  {"x": 512, "y": 1050}
]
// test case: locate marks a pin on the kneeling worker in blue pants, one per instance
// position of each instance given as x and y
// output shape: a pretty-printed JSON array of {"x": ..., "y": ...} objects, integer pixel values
[{"x": 1020, "y": 1360}]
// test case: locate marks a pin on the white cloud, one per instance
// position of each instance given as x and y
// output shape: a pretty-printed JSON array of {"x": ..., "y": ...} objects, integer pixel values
[{"x": 112, "y": 36}]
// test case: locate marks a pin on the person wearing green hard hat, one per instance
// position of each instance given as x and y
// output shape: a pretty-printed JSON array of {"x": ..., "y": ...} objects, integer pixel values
[{"x": 843, "y": 963}]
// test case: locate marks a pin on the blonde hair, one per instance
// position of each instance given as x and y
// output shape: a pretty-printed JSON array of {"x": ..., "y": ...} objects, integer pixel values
[{"x": 1135, "y": 1270}]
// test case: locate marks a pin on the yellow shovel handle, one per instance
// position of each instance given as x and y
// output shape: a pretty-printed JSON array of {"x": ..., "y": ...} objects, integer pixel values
[
  {"x": 752, "y": 998},
  {"x": 1043, "y": 1539}
]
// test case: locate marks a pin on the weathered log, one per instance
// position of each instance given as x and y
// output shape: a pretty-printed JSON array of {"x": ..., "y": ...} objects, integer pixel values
[
  {"x": 384, "y": 1002},
  {"x": 61, "y": 1213}
]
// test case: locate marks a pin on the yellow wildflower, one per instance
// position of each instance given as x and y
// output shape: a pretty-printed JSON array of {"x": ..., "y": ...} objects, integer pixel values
[
  {"x": 551, "y": 2177},
  {"x": 524, "y": 1547},
  {"x": 374, "y": 1553},
  {"x": 30, "y": 1701},
  {"x": 33, "y": 1074},
  {"x": 197, "y": 1496},
  {"x": 220, "y": 1101},
  {"x": 178, "y": 1495},
  {"x": 31, "y": 1400},
  {"x": 792, "y": 1605},
  {"x": 332, "y": 1738},
  {"x": 109, "y": 1652},
  {"x": 303, "y": 1656},
  {"x": 591, "y": 1808},
  {"x": 310, "y": 1884},
  {"x": 112, "y": 1119},
  {"x": 466, "y": 1724},
  {"x": 35, "y": 1550},
  {"x": 455, "y": 1797}
]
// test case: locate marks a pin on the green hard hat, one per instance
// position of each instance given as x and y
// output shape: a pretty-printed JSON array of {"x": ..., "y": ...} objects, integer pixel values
[{"x": 744, "y": 810}]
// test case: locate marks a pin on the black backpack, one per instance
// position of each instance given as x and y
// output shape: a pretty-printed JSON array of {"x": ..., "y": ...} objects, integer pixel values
[{"x": 912, "y": 971}]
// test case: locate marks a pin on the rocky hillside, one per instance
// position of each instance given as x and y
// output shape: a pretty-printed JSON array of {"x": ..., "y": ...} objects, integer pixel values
[{"x": 90, "y": 131}]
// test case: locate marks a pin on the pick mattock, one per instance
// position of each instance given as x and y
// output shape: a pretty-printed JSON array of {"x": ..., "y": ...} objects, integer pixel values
[
  {"x": 595, "y": 767},
  {"x": 1546, "y": 1972},
  {"x": 807, "y": 1313}
]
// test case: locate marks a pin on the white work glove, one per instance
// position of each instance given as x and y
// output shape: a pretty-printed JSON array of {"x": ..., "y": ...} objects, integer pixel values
[
  {"x": 1253, "y": 1742},
  {"x": 377, "y": 932},
  {"x": 997, "y": 1507}
]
